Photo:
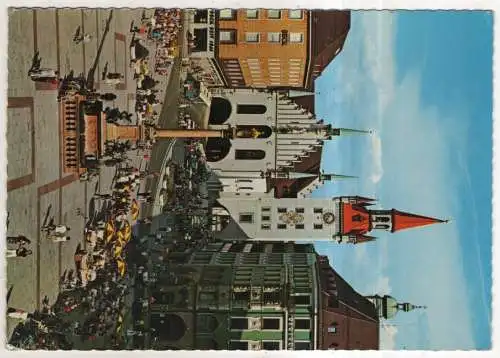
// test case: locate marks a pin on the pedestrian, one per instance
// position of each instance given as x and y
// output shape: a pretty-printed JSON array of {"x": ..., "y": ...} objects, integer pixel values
[
  {"x": 19, "y": 252},
  {"x": 57, "y": 238},
  {"x": 60, "y": 230},
  {"x": 18, "y": 240}
]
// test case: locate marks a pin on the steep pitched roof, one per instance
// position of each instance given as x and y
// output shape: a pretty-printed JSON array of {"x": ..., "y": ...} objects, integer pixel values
[
  {"x": 329, "y": 29},
  {"x": 310, "y": 164}
]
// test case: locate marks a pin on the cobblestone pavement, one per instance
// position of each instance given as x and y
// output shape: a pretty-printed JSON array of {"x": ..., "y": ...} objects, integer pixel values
[{"x": 37, "y": 188}]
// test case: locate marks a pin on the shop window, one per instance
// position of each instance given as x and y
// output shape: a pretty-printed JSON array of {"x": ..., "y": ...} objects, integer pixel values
[
  {"x": 271, "y": 345},
  {"x": 238, "y": 346},
  {"x": 302, "y": 346}
]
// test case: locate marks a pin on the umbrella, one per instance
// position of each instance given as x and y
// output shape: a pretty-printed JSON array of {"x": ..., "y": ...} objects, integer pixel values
[
  {"x": 140, "y": 51},
  {"x": 118, "y": 251},
  {"x": 110, "y": 231},
  {"x": 134, "y": 209},
  {"x": 121, "y": 266}
]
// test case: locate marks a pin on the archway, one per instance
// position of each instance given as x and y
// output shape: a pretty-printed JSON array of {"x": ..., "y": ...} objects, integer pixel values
[
  {"x": 220, "y": 110},
  {"x": 217, "y": 149},
  {"x": 171, "y": 327}
]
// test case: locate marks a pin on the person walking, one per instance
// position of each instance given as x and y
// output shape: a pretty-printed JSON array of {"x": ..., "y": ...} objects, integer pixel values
[
  {"x": 19, "y": 252},
  {"x": 57, "y": 238},
  {"x": 18, "y": 240},
  {"x": 60, "y": 230}
]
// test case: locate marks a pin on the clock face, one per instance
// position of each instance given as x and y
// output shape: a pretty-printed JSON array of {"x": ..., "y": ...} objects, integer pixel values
[{"x": 328, "y": 218}]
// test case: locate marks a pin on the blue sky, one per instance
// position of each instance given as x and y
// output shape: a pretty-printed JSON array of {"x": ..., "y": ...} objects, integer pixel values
[{"x": 423, "y": 82}]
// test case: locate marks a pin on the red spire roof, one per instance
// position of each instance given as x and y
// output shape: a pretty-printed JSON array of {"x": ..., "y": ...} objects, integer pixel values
[{"x": 402, "y": 220}]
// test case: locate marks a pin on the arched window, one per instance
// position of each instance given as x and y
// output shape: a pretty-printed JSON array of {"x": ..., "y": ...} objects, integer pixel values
[
  {"x": 253, "y": 131},
  {"x": 250, "y": 154},
  {"x": 206, "y": 323},
  {"x": 171, "y": 327},
  {"x": 220, "y": 110},
  {"x": 217, "y": 149},
  {"x": 382, "y": 226},
  {"x": 251, "y": 109},
  {"x": 381, "y": 219}
]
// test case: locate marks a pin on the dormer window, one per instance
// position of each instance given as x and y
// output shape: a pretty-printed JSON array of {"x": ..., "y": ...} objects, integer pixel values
[
  {"x": 357, "y": 218},
  {"x": 332, "y": 328}
]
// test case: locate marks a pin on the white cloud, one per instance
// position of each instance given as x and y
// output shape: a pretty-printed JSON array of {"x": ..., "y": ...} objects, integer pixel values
[
  {"x": 388, "y": 334},
  {"x": 377, "y": 168}
]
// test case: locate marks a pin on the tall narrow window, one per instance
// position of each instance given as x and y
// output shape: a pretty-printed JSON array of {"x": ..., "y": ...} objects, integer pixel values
[
  {"x": 295, "y": 14},
  {"x": 251, "y": 109},
  {"x": 274, "y": 37},
  {"x": 252, "y": 14},
  {"x": 282, "y": 226},
  {"x": 239, "y": 323},
  {"x": 318, "y": 226},
  {"x": 296, "y": 37},
  {"x": 266, "y": 209},
  {"x": 252, "y": 36},
  {"x": 318, "y": 210},
  {"x": 265, "y": 226},
  {"x": 299, "y": 210},
  {"x": 227, "y": 14},
  {"x": 273, "y": 14},
  {"x": 299, "y": 226},
  {"x": 227, "y": 36},
  {"x": 302, "y": 323},
  {"x": 282, "y": 210},
  {"x": 250, "y": 154},
  {"x": 271, "y": 324},
  {"x": 246, "y": 218},
  {"x": 382, "y": 226},
  {"x": 266, "y": 218}
]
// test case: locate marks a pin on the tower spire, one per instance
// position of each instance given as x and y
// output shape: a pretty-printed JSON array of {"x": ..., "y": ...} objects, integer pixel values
[
  {"x": 331, "y": 177},
  {"x": 347, "y": 131},
  {"x": 387, "y": 306}
]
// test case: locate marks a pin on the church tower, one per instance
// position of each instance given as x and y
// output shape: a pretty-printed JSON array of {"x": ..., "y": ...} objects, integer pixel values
[
  {"x": 387, "y": 306},
  {"x": 344, "y": 219}
]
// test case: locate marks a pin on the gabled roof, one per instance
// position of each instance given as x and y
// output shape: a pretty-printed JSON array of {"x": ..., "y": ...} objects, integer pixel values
[
  {"x": 310, "y": 164},
  {"x": 329, "y": 31}
]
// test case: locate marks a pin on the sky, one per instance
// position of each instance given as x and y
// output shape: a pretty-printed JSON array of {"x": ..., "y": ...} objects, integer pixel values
[{"x": 423, "y": 82}]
